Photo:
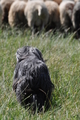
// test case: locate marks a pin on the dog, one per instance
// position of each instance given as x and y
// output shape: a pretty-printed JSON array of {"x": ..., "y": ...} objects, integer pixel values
[{"x": 32, "y": 83}]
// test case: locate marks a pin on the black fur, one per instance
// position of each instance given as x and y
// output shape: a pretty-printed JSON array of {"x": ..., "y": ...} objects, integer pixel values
[{"x": 32, "y": 83}]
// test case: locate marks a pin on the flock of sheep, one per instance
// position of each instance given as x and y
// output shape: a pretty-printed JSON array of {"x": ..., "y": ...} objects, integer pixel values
[{"x": 41, "y": 14}]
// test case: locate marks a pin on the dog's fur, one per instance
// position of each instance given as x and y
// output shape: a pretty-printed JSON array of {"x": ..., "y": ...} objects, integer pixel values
[{"x": 32, "y": 83}]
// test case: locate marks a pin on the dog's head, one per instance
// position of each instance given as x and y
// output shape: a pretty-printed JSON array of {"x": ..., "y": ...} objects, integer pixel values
[{"x": 24, "y": 52}]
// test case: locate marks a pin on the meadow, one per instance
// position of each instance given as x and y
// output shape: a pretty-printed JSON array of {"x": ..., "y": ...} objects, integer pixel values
[{"x": 63, "y": 61}]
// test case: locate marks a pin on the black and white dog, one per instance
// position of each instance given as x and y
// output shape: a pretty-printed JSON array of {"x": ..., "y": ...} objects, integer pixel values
[{"x": 32, "y": 83}]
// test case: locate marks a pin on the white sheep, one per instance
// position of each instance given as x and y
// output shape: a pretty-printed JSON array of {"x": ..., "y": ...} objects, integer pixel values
[
  {"x": 16, "y": 14},
  {"x": 75, "y": 0},
  {"x": 5, "y": 7},
  {"x": 36, "y": 0},
  {"x": 36, "y": 14},
  {"x": 57, "y": 1},
  {"x": 66, "y": 8},
  {"x": 54, "y": 16}
]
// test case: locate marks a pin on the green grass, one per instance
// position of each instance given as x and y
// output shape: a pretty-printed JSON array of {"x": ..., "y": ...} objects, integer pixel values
[{"x": 63, "y": 61}]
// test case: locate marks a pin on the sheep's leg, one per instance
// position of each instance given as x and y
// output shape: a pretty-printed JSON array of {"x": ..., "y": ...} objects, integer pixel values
[
  {"x": 42, "y": 28},
  {"x": 33, "y": 30},
  {"x": 31, "y": 25}
]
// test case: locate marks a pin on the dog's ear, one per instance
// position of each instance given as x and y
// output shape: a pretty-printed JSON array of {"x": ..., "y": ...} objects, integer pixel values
[{"x": 37, "y": 53}]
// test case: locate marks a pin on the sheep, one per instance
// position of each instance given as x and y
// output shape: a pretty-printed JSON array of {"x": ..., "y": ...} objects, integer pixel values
[
  {"x": 16, "y": 14},
  {"x": 5, "y": 7},
  {"x": 58, "y": 1},
  {"x": 54, "y": 15},
  {"x": 36, "y": 14},
  {"x": 32, "y": 83},
  {"x": 75, "y": 0},
  {"x": 76, "y": 18},
  {"x": 76, "y": 15},
  {"x": 36, "y": 0},
  {"x": 66, "y": 8}
]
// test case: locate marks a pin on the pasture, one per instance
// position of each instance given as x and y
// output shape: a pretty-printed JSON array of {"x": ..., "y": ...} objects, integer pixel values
[{"x": 63, "y": 61}]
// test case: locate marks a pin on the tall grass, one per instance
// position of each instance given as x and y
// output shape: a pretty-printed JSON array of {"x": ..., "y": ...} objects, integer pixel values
[{"x": 63, "y": 61}]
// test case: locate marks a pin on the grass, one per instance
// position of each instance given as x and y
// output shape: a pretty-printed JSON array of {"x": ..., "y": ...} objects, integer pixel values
[{"x": 63, "y": 61}]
